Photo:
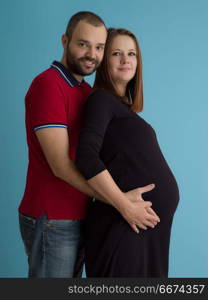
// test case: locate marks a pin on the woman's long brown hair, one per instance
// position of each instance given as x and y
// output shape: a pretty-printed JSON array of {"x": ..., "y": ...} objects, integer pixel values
[{"x": 103, "y": 80}]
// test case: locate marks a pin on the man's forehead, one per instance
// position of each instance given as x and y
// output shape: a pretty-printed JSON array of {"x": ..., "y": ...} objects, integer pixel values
[{"x": 86, "y": 31}]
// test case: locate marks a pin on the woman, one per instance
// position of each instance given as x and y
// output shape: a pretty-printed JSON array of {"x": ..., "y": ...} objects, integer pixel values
[{"x": 118, "y": 151}]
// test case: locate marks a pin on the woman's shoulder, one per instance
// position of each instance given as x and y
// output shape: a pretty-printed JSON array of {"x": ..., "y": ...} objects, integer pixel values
[{"x": 102, "y": 96}]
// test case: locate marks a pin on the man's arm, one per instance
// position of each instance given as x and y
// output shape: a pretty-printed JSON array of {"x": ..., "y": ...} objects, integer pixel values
[{"x": 55, "y": 145}]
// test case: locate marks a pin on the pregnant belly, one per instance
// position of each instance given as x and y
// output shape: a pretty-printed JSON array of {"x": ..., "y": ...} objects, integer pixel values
[
  {"x": 132, "y": 174},
  {"x": 165, "y": 195}
]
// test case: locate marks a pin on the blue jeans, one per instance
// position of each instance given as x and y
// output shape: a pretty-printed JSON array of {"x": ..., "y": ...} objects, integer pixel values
[{"x": 55, "y": 248}]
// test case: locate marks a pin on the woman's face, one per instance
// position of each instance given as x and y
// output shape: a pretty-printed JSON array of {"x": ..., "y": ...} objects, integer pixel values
[{"x": 122, "y": 59}]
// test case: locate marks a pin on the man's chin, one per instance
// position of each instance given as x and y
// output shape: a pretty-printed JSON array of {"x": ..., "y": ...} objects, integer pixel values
[{"x": 88, "y": 72}]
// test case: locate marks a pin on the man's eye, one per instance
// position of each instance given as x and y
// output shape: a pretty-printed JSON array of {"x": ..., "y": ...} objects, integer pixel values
[
  {"x": 100, "y": 48},
  {"x": 132, "y": 53},
  {"x": 81, "y": 44},
  {"x": 116, "y": 53}
]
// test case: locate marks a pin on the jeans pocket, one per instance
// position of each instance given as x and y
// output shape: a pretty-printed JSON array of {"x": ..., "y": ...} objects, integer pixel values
[{"x": 65, "y": 230}]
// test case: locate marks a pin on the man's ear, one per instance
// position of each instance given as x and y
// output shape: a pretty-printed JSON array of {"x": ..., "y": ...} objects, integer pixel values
[{"x": 64, "y": 40}]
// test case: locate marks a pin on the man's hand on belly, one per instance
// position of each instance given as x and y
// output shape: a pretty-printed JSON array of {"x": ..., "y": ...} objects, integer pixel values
[{"x": 135, "y": 195}]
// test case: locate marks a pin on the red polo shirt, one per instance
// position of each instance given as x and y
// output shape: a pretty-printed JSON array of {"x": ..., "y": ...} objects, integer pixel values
[{"x": 54, "y": 99}]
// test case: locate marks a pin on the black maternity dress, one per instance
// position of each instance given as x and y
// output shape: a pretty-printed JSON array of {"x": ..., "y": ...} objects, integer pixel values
[{"x": 117, "y": 139}]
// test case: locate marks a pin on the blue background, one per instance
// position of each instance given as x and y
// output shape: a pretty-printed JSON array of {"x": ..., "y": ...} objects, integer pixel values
[{"x": 173, "y": 38}]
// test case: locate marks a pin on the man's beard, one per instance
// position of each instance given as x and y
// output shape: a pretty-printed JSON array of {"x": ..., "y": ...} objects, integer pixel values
[{"x": 75, "y": 64}]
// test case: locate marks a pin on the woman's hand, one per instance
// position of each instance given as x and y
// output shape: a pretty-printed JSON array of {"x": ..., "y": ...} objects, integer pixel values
[
  {"x": 139, "y": 215},
  {"x": 135, "y": 196}
]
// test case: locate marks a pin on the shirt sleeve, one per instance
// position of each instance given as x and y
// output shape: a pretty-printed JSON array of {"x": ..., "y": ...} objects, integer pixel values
[
  {"x": 46, "y": 104},
  {"x": 98, "y": 113}
]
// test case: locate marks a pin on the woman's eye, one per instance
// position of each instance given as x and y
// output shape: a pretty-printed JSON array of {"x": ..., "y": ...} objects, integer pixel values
[
  {"x": 132, "y": 53},
  {"x": 116, "y": 53}
]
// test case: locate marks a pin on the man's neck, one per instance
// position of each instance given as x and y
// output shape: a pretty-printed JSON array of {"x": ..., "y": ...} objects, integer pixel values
[{"x": 78, "y": 77}]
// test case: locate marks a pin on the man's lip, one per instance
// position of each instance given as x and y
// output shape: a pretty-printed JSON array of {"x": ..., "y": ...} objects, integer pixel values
[{"x": 88, "y": 62}]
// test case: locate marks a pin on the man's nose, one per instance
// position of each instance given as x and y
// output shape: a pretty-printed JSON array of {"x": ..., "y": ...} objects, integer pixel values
[{"x": 91, "y": 53}]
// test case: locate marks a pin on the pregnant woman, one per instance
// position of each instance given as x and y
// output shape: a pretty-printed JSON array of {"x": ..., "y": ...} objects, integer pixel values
[{"x": 118, "y": 151}]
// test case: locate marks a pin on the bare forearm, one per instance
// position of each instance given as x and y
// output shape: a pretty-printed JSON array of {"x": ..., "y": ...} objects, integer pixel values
[
  {"x": 105, "y": 186},
  {"x": 70, "y": 174},
  {"x": 55, "y": 145}
]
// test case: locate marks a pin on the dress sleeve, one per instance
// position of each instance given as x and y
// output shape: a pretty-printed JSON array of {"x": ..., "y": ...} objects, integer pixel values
[{"x": 98, "y": 113}]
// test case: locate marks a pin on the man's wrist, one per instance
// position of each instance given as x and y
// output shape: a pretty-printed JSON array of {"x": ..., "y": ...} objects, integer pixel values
[{"x": 123, "y": 204}]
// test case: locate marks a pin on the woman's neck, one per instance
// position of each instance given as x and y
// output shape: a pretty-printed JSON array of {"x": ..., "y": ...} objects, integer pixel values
[{"x": 121, "y": 89}]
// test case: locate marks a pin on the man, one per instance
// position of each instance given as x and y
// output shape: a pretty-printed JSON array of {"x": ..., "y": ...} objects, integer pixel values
[{"x": 54, "y": 204}]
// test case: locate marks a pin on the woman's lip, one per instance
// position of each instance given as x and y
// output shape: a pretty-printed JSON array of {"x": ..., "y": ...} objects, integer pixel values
[{"x": 124, "y": 69}]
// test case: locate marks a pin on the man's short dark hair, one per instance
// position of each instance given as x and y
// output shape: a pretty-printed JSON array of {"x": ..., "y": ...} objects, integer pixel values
[{"x": 86, "y": 16}]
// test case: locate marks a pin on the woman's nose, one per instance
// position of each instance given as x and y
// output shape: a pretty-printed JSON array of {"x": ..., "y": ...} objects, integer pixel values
[{"x": 125, "y": 59}]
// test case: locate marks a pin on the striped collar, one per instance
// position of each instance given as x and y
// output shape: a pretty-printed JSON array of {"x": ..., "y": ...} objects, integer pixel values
[{"x": 66, "y": 74}]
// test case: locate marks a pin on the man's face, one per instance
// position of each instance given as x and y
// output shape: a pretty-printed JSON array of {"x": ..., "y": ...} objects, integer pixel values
[{"x": 84, "y": 52}]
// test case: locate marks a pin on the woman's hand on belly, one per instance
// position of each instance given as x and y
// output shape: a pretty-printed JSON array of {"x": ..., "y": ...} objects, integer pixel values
[
  {"x": 135, "y": 195},
  {"x": 138, "y": 215}
]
